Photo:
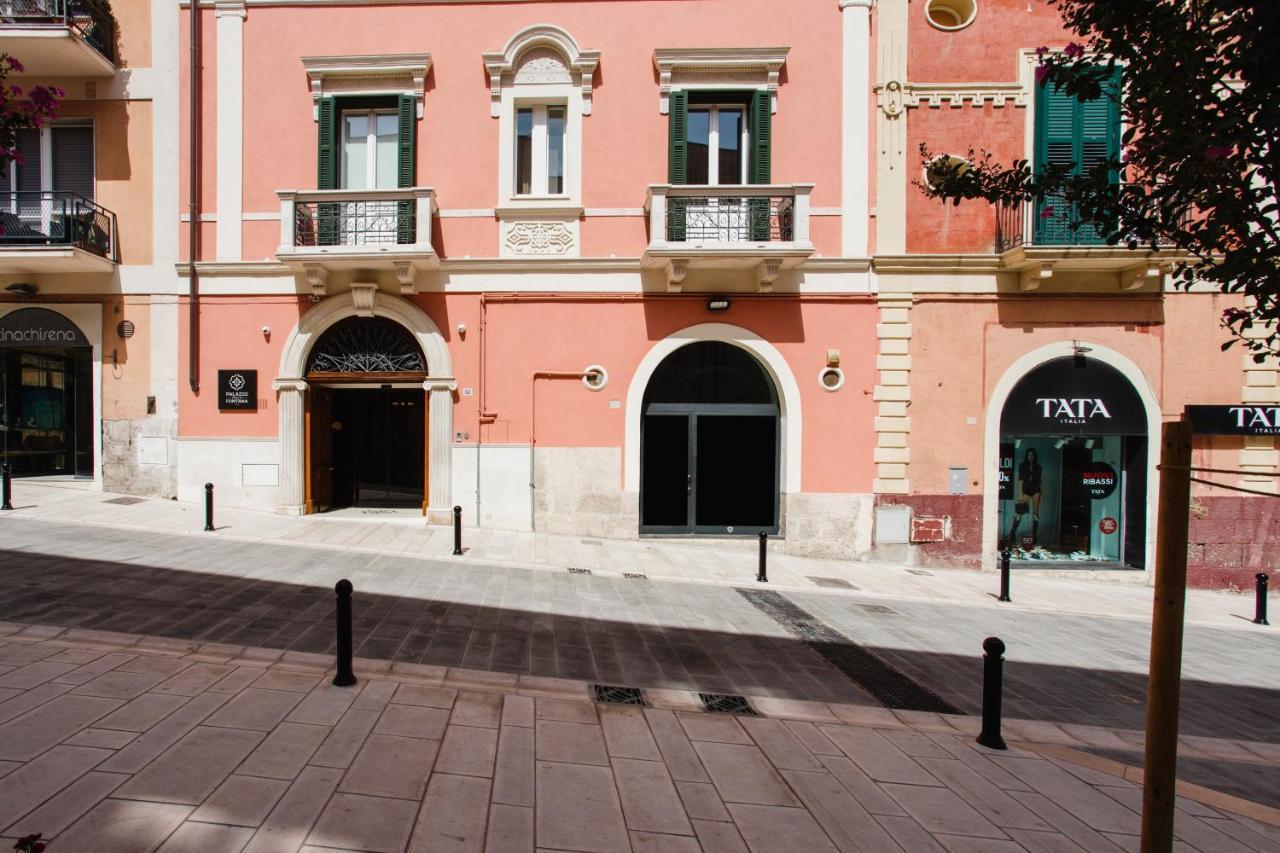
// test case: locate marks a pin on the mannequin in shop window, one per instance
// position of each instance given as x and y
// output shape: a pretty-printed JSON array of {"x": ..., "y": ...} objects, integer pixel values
[{"x": 1030, "y": 491}]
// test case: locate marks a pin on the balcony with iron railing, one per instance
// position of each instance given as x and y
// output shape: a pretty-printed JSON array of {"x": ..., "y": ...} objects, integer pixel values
[
  {"x": 1038, "y": 238},
  {"x": 326, "y": 230},
  {"x": 55, "y": 232},
  {"x": 759, "y": 228},
  {"x": 59, "y": 38}
]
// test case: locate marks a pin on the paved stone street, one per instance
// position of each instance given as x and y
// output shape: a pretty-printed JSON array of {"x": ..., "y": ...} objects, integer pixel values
[{"x": 120, "y": 744}]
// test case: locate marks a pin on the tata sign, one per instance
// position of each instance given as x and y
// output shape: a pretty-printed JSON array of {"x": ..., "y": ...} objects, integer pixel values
[
  {"x": 1235, "y": 420},
  {"x": 32, "y": 328},
  {"x": 237, "y": 389},
  {"x": 1074, "y": 396}
]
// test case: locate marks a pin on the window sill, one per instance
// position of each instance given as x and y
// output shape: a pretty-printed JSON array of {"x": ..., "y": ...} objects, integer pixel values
[{"x": 558, "y": 207}]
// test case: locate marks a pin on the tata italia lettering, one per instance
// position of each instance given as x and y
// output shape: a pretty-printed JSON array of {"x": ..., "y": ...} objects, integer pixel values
[
  {"x": 1077, "y": 410},
  {"x": 1235, "y": 420}
]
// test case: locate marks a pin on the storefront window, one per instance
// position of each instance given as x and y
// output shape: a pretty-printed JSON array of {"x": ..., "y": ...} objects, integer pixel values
[{"x": 1073, "y": 466}]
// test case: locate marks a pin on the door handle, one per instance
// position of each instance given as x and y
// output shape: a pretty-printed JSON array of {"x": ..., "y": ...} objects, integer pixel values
[{"x": 689, "y": 487}]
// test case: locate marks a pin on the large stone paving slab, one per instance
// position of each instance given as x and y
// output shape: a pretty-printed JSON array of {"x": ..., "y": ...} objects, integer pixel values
[{"x": 457, "y": 760}]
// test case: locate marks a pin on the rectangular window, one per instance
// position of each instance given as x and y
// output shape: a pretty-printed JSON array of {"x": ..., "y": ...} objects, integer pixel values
[
  {"x": 57, "y": 158},
  {"x": 540, "y": 150},
  {"x": 716, "y": 139},
  {"x": 369, "y": 156}
]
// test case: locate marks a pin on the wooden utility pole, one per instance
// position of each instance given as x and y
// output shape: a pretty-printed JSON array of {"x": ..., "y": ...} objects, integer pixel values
[{"x": 1165, "y": 679}]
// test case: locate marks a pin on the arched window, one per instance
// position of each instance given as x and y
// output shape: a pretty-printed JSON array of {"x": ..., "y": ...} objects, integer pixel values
[{"x": 366, "y": 345}]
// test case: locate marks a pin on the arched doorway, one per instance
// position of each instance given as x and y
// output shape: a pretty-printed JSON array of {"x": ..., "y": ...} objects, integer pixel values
[
  {"x": 366, "y": 418},
  {"x": 1073, "y": 453},
  {"x": 709, "y": 449},
  {"x": 46, "y": 395}
]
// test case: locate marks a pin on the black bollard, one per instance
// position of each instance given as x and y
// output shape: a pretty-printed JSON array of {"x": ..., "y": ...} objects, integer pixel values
[
  {"x": 1259, "y": 606},
  {"x": 457, "y": 531},
  {"x": 208, "y": 506},
  {"x": 344, "y": 677},
  {"x": 8, "y": 487},
  {"x": 762, "y": 576},
  {"x": 992, "y": 688},
  {"x": 1005, "y": 556}
]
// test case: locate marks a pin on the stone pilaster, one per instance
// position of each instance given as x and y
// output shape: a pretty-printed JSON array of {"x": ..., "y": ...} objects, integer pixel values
[
  {"x": 893, "y": 394},
  {"x": 1259, "y": 455},
  {"x": 440, "y": 449},
  {"x": 293, "y": 444}
]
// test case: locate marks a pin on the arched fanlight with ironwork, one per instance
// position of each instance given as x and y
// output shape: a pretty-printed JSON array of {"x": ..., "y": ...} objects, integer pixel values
[{"x": 366, "y": 345}]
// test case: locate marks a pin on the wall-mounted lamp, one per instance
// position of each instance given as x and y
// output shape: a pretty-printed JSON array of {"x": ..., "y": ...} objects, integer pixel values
[
  {"x": 720, "y": 303},
  {"x": 833, "y": 358},
  {"x": 22, "y": 289},
  {"x": 462, "y": 330}
]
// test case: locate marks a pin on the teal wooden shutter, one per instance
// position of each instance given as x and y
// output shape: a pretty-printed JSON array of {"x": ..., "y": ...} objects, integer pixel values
[
  {"x": 327, "y": 215},
  {"x": 406, "y": 172},
  {"x": 758, "y": 169},
  {"x": 677, "y": 161}
]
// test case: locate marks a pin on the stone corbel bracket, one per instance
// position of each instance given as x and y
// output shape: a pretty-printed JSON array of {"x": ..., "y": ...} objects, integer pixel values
[
  {"x": 502, "y": 65},
  {"x": 387, "y": 74},
  {"x": 318, "y": 278},
  {"x": 719, "y": 68},
  {"x": 767, "y": 274},
  {"x": 893, "y": 96},
  {"x": 677, "y": 268}
]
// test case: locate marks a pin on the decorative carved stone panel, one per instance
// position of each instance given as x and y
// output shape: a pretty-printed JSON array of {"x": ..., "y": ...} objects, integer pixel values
[
  {"x": 542, "y": 65},
  {"x": 535, "y": 239}
]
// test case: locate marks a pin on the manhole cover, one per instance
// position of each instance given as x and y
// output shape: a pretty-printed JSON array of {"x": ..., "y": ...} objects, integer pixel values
[
  {"x": 613, "y": 695},
  {"x": 635, "y": 576},
  {"x": 574, "y": 570},
  {"x": 126, "y": 501},
  {"x": 726, "y": 703},
  {"x": 878, "y": 608},
  {"x": 831, "y": 583}
]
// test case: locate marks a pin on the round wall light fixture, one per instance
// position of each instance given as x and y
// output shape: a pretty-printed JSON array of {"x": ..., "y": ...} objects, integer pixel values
[
  {"x": 831, "y": 379},
  {"x": 595, "y": 377}
]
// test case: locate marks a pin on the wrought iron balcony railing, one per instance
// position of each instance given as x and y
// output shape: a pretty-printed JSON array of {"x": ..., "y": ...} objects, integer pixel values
[
  {"x": 57, "y": 219},
  {"x": 720, "y": 217},
  {"x": 89, "y": 19},
  {"x": 1050, "y": 222},
  {"x": 337, "y": 223}
]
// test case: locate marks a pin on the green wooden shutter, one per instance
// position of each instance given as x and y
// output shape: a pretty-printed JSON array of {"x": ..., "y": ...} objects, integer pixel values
[
  {"x": 677, "y": 161},
  {"x": 327, "y": 215},
  {"x": 758, "y": 169},
  {"x": 406, "y": 172}
]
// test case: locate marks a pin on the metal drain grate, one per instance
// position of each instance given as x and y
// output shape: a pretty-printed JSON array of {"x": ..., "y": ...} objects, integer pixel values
[
  {"x": 921, "y": 572},
  {"x": 831, "y": 583},
  {"x": 574, "y": 570},
  {"x": 126, "y": 501},
  {"x": 613, "y": 695},
  {"x": 889, "y": 686},
  {"x": 726, "y": 703},
  {"x": 635, "y": 576},
  {"x": 878, "y": 608}
]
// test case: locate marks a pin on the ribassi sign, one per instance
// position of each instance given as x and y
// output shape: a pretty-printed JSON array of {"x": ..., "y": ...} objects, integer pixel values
[
  {"x": 237, "y": 389},
  {"x": 1235, "y": 420},
  {"x": 1073, "y": 396},
  {"x": 39, "y": 327}
]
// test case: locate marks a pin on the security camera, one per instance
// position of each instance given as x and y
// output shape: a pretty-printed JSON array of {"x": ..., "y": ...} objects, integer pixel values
[{"x": 266, "y": 330}]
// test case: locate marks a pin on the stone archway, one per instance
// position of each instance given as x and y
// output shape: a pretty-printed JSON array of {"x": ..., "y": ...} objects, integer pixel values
[{"x": 291, "y": 386}]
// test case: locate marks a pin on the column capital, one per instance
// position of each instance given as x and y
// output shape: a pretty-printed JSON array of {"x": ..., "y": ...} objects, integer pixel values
[
  {"x": 447, "y": 383},
  {"x": 298, "y": 385},
  {"x": 858, "y": 4},
  {"x": 231, "y": 9}
]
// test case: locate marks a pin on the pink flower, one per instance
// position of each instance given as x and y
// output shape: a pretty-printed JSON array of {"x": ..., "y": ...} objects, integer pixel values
[
  {"x": 1042, "y": 71},
  {"x": 15, "y": 65},
  {"x": 1046, "y": 211},
  {"x": 1074, "y": 50},
  {"x": 1041, "y": 51},
  {"x": 1217, "y": 152}
]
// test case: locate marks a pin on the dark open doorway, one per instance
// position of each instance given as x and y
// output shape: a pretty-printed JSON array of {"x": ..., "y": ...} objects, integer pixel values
[
  {"x": 376, "y": 442},
  {"x": 709, "y": 444}
]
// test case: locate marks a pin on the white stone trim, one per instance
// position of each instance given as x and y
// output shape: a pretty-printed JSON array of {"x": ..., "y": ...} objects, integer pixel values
[
  {"x": 367, "y": 74},
  {"x": 991, "y": 438},
  {"x": 718, "y": 68},
  {"x": 855, "y": 152},
  {"x": 791, "y": 427},
  {"x": 502, "y": 65},
  {"x": 892, "y": 394},
  {"x": 891, "y": 155},
  {"x": 440, "y": 385},
  {"x": 165, "y": 204},
  {"x": 229, "y": 106}
]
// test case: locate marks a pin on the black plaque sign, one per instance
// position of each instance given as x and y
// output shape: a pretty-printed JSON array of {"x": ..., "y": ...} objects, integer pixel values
[
  {"x": 1006, "y": 471},
  {"x": 1243, "y": 419},
  {"x": 29, "y": 328},
  {"x": 1099, "y": 479},
  {"x": 1074, "y": 396},
  {"x": 237, "y": 389}
]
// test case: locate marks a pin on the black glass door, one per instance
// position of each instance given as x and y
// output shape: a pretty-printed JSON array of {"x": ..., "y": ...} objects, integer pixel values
[
  {"x": 46, "y": 411},
  {"x": 667, "y": 479},
  {"x": 384, "y": 447},
  {"x": 735, "y": 472}
]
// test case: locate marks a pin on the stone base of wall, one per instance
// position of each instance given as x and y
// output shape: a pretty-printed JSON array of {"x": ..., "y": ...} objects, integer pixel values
[
  {"x": 947, "y": 531},
  {"x": 1231, "y": 539},
  {"x": 139, "y": 456},
  {"x": 830, "y": 526},
  {"x": 578, "y": 491}
]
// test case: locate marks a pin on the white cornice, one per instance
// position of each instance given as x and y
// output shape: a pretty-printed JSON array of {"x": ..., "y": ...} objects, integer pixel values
[
  {"x": 758, "y": 67},
  {"x": 954, "y": 94},
  {"x": 862, "y": 4},
  {"x": 369, "y": 73}
]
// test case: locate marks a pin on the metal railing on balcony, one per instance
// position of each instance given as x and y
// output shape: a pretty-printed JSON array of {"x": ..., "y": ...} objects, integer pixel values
[
  {"x": 1049, "y": 222},
  {"x": 356, "y": 222},
  {"x": 57, "y": 219},
  {"x": 723, "y": 215},
  {"x": 91, "y": 20}
]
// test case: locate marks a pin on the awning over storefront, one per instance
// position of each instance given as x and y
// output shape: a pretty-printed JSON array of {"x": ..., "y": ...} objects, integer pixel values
[
  {"x": 29, "y": 328},
  {"x": 1074, "y": 396}
]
